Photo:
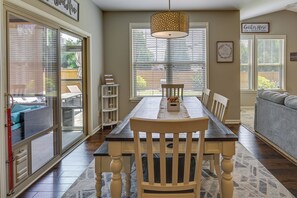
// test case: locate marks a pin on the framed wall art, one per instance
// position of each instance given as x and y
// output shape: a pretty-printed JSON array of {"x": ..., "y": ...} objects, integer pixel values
[
  {"x": 69, "y": 7},
  {"x": 225, "y": 51}
]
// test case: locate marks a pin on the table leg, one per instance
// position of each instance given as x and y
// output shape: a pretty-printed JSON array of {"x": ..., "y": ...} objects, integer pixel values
[
  {"x": 98, "y": 172},
  {"x": 98, "y": 184},
  {"x": 115, "y": 167},
  {"x": 227, "y": 179}
]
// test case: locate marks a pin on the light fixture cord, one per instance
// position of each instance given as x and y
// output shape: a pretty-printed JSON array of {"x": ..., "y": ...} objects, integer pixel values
[{"x": 169, "y": 5}]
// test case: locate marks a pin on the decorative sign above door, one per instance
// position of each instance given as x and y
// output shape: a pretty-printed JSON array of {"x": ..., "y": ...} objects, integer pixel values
[
  {"x": 67, "y": 7},
  {"x": 254, "y": 27}
]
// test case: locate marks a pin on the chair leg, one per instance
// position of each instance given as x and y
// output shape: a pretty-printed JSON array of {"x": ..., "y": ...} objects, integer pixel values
[
  {"x": 211, "y": 165},
  {"x": 98, "y": 183},
  {"x": 128, "y": 160},
  {"x": 218, "y": 171},
  {"x": 128, "y": 184}
]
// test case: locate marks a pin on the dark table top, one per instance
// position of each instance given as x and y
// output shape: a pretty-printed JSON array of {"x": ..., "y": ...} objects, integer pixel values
[{"x": 149, "y": 107}]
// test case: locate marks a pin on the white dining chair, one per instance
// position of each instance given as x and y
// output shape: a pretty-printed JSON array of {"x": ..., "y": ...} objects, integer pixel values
[
  {"x": 169, "y": 90},
  {"x": 181, "y": 180},
  {"x": 205, "y": 96},
  {"x": 219, "y": 108}
]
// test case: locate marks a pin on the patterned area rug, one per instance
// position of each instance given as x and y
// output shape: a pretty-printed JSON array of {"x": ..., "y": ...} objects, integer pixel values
[
  {"x": 251, "y": 179},
  {"x": 247, "y": 115}
]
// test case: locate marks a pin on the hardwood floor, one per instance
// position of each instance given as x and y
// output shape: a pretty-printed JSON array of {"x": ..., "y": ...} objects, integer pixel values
[{"x": 59, "y": 179}]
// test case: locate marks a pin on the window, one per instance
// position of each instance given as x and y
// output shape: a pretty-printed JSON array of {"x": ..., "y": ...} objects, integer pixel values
[
  {"x": 262, "y": 61},
  {"x": 156, "y": 61},
  {"x": 246, "y": 63}
]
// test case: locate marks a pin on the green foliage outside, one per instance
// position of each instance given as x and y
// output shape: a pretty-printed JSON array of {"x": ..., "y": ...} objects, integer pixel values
[
  {"x": 264, "y": 83},
  {"x": 141, "y": 83},
  {"x": 69, "y": 60},
  {"x": 49, "y": 84}
]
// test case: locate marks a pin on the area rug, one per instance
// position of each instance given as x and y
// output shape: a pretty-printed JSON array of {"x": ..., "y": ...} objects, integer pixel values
[
  {"x": 251, "y": 179},
  {"x": 247, "y": 115}
]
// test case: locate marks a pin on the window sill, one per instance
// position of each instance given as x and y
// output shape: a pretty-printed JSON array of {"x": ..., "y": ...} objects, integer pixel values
[
  {"x": 135, "y": 99},
  {"x": 248, "y": 91},
  {"x": 255, "y": 91}
]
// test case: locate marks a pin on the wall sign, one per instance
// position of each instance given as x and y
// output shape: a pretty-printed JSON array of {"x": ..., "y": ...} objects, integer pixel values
[
  {"x": 67, "y": 7},
  {"x": 254, "y": 27}
]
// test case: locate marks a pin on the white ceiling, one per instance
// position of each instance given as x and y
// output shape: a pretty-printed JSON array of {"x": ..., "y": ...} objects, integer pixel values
[{"x": 248, "y": 8}]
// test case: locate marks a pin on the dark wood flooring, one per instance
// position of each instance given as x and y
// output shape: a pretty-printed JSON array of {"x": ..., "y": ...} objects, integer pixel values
[{"x": 55, "y": 182}]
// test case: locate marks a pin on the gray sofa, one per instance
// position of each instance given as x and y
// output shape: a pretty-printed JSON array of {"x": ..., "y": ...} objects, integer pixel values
[{"x": 276, "y": 120}]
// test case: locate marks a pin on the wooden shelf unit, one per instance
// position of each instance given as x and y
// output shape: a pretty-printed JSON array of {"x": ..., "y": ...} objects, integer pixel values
[{"x": 110, "y": 104}]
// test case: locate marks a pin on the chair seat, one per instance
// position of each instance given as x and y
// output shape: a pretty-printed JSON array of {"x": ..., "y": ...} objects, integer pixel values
[{"x": 181, "y": 161}]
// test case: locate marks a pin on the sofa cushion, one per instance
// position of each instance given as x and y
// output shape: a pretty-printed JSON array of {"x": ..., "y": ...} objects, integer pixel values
[
  {"x": 291, "y": 101},
  {"x": 15, "y": 117},
  {"x": 272, "y": 96}
]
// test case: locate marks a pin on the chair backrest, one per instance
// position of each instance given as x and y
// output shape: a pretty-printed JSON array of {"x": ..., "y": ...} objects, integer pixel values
[
  {"x": 157, "y": 130},
  {"x": 205, "y": 96},
  {"x": 219, "y": 106},
  {"x": 17, "y": 89},
  {"x": 73, "y": 88},
  {"x": 172, "y": 90}
]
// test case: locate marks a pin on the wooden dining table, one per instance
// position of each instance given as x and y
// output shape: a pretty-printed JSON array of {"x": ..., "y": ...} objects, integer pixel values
[{"x": 218, "y": 139}]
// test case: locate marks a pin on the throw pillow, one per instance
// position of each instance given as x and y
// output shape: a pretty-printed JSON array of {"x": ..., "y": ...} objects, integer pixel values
[
  {"x": 291, "y": 101},
  {"x": 272, "y": 96}
]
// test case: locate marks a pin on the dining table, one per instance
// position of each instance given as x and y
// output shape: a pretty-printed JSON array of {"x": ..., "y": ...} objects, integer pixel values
[{"x": 219, "y": 139}]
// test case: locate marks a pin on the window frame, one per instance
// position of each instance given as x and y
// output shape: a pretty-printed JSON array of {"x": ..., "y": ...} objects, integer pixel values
[
  {"x": 283, "y": 68},
  {"x": 251, "y": 73},
  {"x": 147, "y": 25},
  {"x": 254, "y": 68}
]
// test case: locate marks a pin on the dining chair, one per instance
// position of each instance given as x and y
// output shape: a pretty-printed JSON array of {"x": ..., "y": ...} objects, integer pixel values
[
  {"x": 177, "y": 178},
  {"x": 17, "y": 89},
  {"x": 205, "y": 96},
  {"x": 74, "y": 89},
  {"x": 172, "y": 90},
  {"x": 218, "y": 108}
]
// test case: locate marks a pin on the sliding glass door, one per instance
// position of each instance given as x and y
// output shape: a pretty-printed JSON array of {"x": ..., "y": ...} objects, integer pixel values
[
  {"x": 72, "y": 89},
  {"x": 32, "y": 85},
  {"x": 45, "y": 84}
]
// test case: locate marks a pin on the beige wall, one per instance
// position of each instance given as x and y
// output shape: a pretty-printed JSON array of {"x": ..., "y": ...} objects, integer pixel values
[
  {"x": 280, "y": 24},
  {"x": 90, "y": 20},
  {"x": 223, "y": 77}
]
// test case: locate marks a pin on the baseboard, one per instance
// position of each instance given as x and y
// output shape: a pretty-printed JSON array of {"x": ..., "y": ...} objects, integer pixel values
[
  {"x": 232, "y": 122},
  {"x": 276, "y": 148}
]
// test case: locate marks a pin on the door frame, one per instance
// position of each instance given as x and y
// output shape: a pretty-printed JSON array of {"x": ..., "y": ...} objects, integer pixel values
[{"x": 43, "y": 17}]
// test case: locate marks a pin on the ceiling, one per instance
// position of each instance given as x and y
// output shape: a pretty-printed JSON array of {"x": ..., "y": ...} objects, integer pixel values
[{"x": 248, "y": 8}]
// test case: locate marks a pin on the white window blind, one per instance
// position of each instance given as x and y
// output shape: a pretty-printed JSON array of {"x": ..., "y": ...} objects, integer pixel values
[
  {"x": 157, "y": 61},
  {"x": 32, "y": 58}
]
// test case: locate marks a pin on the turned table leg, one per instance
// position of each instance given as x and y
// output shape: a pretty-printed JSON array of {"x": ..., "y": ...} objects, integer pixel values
[
  {"x": 98, "y": 172},
  {"x": 227, "y": 179},
  {"x": 115, "y": 167}
]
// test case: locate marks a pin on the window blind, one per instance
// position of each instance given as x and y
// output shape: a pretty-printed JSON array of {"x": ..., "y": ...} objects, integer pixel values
[
  {"x": 32, "y": 58},
  {"x": 156, "y": 61}
]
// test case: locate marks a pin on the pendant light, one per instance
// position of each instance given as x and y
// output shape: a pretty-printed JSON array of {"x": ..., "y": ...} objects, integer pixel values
[{"x": 169, "y": 24}]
